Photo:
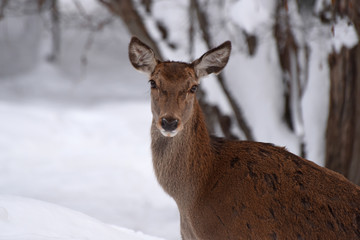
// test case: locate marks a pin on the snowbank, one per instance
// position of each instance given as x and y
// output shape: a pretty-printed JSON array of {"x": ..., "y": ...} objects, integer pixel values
[{"x": 29, "y": 219}]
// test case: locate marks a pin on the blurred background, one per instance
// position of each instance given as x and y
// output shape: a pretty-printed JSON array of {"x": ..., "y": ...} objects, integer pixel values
[{"x": 75, "y": 116}]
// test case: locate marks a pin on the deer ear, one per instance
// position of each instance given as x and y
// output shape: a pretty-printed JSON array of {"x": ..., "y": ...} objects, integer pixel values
[
  {"x": 141, "y": 56},
  {"x": 213, "y": 61}
]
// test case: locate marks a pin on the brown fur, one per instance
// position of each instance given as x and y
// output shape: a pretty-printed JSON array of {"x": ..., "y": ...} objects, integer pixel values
[{"x": 237, "y": 189}]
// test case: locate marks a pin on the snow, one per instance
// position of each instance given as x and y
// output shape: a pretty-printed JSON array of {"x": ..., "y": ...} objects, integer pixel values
[
  {"x": 243, "y": 12},
  {"x": 29, "y": 219},
  {"x": 315, "y": 119},
  {"x": 344, "y": 34},
  {"x": 71, "y": 5}
]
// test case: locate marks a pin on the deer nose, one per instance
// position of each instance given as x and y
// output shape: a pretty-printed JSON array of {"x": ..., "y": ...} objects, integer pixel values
[{"x": 169, "y": 124}]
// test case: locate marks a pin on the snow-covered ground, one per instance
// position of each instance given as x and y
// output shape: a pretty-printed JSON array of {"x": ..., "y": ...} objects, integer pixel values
[
  {"x": 95, "y": 160},
  {"x": 29, "y": 219}
]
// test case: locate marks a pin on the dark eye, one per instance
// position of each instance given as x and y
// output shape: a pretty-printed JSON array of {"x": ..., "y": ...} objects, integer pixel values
[
  {"x": 152, "y": 84},
  {"x": 193, "y": 88}
]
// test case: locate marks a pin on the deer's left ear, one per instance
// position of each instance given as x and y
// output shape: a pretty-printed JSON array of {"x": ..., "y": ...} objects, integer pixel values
[{"x": 213, "y": 61}]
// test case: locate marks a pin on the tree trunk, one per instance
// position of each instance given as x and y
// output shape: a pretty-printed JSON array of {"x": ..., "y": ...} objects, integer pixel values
[{"x": 343, "y": 129}]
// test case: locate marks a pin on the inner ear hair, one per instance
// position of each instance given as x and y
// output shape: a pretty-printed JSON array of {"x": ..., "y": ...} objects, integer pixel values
[
  {"x": 213, "y": 61},
  {"x": 141, "y": 56}
]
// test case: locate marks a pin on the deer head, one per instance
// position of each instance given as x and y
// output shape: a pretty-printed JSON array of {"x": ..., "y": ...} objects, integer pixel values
[{"x": 174, "y": 84}]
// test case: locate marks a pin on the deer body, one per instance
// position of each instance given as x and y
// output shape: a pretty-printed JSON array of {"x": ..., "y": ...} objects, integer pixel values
[{"x": 236, "y": 189}]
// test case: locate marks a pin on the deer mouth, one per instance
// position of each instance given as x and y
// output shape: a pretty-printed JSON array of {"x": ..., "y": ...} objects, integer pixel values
[{"x": 166, "y": 133}]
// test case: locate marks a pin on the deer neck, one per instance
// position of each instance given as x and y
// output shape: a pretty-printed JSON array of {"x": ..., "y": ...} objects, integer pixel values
[{"x": 183, "y": 163}]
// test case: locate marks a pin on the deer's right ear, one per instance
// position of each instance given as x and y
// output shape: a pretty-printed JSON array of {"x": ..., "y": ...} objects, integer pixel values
[{"x": 141, "y": 56}]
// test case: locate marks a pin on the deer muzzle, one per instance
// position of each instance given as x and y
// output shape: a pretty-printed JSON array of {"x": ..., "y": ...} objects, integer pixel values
[{"x": 169, "y": 126}]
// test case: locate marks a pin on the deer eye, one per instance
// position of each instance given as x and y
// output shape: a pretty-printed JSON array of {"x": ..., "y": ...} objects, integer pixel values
[
  {"x": 152, "y": 84},
  {"x": 193, "y": 88}
]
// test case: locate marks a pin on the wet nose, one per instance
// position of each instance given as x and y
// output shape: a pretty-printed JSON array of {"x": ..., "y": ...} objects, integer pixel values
[{"x": 169, "y": 124}]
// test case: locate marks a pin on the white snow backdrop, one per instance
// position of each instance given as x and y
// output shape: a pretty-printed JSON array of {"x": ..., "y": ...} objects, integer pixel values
[{"x": 77, "y": 135}]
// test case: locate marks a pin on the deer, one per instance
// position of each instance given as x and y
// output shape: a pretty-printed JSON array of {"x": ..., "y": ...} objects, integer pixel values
[{"x": 231, "y": 189}]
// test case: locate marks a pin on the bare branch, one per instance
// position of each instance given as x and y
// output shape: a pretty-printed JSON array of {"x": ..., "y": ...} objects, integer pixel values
[
  {"x": 2, "y": 7},
  {"x": 82, "y": 11},
  {"x": 134, "y": 23}
]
